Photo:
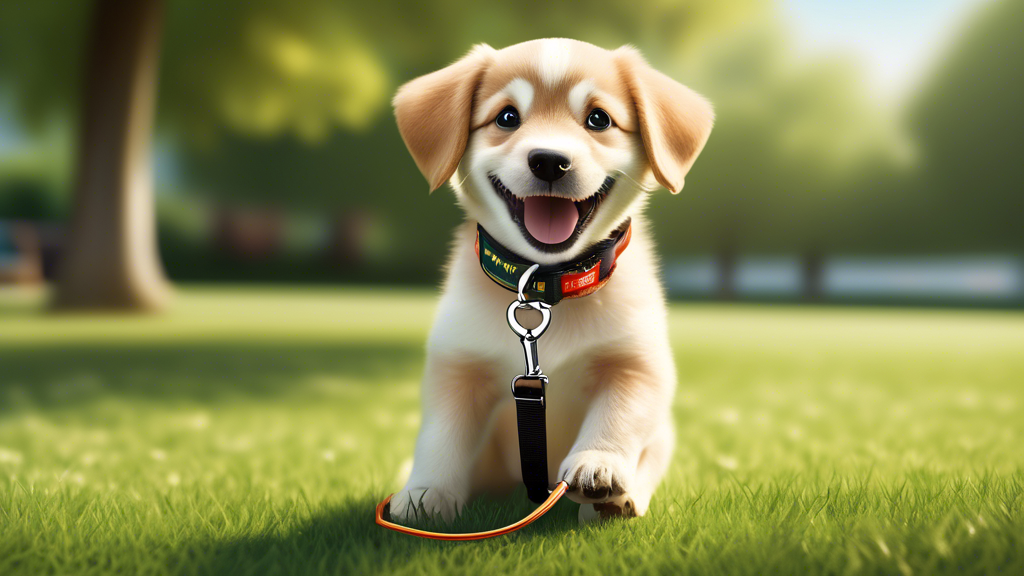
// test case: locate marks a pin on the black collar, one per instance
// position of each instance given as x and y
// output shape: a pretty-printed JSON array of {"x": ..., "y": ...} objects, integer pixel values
[{"x": 553, "y": 283}]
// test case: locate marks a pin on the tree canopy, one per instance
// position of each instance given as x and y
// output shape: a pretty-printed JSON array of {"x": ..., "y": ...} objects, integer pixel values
[
  {"x": 287, "y": 103},
  {"x": 261, "y": 68},
  {"x": 968, "y": 119}
]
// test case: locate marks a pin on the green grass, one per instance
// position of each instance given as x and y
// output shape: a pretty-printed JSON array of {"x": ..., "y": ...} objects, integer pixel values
[{"x": 252, "y": 431}]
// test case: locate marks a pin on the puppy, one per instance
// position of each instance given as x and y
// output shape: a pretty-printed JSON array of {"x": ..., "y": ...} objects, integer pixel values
[{"x": 552, "y": 147}]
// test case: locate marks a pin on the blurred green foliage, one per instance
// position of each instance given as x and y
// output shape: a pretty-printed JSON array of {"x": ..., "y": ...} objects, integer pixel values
[
  {"x": 286, "y": 105},
  {"x": 968, "y": 119},
  {"x": 27, "y": 200},
  {"x": 795, "y": 142},
  {"x": 259, "y": 68}
]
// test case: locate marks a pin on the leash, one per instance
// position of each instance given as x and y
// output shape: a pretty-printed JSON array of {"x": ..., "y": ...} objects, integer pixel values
[
  {"x": 529, "y": 391},
  {"x": 540, "y": 511}
]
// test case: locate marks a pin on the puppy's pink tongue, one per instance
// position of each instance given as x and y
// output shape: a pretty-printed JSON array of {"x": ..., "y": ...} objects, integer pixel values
[{"x": 548, "y": 219}]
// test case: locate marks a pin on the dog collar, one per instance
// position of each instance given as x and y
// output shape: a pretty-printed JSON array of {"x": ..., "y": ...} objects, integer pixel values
[{"x": 553, "y": 283}]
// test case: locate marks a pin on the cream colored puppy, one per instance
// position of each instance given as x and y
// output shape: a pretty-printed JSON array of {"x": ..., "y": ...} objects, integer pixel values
[{"x": 552, "y": 147}]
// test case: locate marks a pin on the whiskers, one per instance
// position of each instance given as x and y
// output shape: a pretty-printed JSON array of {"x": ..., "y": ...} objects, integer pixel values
[
  {"x": 463, "y": 181},
  {"x": 635, "y": 183}
]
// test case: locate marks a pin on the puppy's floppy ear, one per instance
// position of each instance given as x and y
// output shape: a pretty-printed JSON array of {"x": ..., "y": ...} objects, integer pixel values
[
  {"x": 433, "y": 114},
  {"x": 675, "y": 121}
]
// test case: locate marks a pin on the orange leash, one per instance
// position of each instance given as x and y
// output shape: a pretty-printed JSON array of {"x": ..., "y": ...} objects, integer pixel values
[{"x": 548, "y": 504}]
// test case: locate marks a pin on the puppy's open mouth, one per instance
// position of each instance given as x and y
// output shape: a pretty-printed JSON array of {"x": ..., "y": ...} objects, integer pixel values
[{"x": 551, "y": 223}]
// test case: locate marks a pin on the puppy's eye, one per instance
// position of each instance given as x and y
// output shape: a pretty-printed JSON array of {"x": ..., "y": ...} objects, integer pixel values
[
  {"x": 508, "y": 118},
  {"x": 598, "y": 120}
]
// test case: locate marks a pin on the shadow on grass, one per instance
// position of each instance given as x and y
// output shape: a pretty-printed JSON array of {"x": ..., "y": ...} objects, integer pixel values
[
  {"x": 58, "y": 376},
  {"x": 346, "y": 540}
]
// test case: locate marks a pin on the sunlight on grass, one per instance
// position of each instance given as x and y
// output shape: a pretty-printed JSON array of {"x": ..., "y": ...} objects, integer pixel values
[
  {"x": 314, "y": 314},
  {"x": 252, "y": 430}
]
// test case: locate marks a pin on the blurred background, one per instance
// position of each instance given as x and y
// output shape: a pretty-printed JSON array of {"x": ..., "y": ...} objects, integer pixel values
[
  {"x": 236, "y": 164},
  {"x": 863, "y": 152}
]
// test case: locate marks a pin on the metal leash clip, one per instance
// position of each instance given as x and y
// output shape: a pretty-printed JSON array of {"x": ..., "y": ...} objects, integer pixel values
[{"x": 532, "y": 385}]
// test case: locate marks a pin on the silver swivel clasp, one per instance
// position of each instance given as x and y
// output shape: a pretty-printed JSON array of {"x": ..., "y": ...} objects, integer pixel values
[
  {"x": 534, "y": 377},
  {"x": 529, "y": 336}
]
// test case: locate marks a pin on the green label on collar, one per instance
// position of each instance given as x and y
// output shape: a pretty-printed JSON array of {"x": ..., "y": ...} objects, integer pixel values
[
  {"x": 507, "y": 273},
  {"x": 504, "y": 272}
]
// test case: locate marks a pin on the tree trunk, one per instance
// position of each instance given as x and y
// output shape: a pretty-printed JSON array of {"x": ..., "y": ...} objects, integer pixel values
[
  {"x": 813, "y": 280},
  {"x": 726, "y": 263},
  {"x": 110, "y": 258}
]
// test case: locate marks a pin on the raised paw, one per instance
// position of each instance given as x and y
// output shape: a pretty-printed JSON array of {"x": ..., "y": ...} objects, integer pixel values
[
  {"x": 412, "y": 504},
  {"x": 595, "y": 476}
]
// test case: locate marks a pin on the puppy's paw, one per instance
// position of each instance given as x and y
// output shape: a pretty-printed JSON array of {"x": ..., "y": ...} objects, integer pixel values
[
  {"x": 595, "y": 476},
  {"x": 621, "y": 507},
  {"x": 411, "y": 504}
]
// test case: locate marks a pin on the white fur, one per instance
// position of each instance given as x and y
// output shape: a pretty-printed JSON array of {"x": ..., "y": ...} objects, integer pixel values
[
  {"x": 521, "y": 92},
  {"x": 555, "y": 59},
  {"x": 579, "y": 95}
]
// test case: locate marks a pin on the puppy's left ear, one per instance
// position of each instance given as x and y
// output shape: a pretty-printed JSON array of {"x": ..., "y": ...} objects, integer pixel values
[
  {"x": 433, "y": 114},
  {"x": 675, "y": 121}
]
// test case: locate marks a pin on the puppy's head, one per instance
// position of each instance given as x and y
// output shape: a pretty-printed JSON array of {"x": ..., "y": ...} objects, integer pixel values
[{"x": 550, "y": 144}]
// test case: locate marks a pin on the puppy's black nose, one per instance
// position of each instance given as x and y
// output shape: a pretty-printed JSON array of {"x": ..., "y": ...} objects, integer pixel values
[{"x": 548, "y": 165}]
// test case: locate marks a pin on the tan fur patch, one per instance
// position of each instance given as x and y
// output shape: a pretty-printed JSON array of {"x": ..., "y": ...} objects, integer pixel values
[
  {"x": 467, "y": 383},
  {"x": 674, "y": 121},
  {"x": 434, "y": 112},
  {"x": 617, "y": 367}
]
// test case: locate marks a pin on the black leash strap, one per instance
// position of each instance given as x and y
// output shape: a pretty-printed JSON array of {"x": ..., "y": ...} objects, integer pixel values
[{"x": 528, "y": 392}]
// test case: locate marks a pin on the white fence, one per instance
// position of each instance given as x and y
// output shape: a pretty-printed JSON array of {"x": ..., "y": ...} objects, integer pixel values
[{"x": 977, "y": 278}]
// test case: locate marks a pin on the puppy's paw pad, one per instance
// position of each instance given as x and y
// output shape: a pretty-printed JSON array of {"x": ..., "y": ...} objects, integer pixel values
[
  {"x": 595, "y": 476},
  {"x": 620, "y": 508},
  {"x": 412, "y": 504},
  {"x": 617, "y": 509}
]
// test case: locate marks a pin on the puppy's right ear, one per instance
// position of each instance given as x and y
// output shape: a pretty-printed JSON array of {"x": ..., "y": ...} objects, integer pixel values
[
  {"x": 433, "y": 114},
  {"x": 675, "y": 122}
]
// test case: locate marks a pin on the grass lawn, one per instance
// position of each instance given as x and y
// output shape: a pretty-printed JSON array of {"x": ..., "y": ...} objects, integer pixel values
[{"x": 253, "y": 430}]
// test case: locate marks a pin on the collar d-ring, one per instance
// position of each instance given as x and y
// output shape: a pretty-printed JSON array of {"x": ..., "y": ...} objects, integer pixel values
[{"x": 524, "y": 281}]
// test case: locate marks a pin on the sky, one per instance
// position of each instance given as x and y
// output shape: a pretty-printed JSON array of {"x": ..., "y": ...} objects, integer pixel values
[{"x": 897, "y": 41}]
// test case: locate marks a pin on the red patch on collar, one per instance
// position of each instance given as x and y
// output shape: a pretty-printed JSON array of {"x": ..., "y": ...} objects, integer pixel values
[{"x": 573, "y": 283}]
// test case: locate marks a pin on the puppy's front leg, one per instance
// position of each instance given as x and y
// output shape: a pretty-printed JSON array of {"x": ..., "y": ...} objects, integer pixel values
[
  {"x": 458, "y": 397},
  {"x": 631, "y": 403}
]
